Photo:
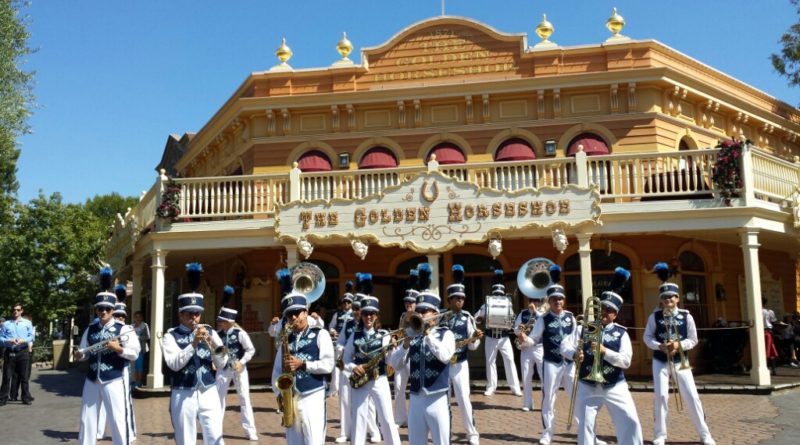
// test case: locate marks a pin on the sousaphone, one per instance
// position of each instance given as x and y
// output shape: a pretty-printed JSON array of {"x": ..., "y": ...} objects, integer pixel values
[
  {"x": 308, "y": 279},
  {"x": 533, "y": 278}
]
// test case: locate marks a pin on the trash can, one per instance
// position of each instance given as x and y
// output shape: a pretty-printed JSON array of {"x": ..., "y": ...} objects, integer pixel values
[{"x": 60, "y": 355}]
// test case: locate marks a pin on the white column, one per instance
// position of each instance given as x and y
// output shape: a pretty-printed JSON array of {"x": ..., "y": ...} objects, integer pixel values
[
  {"x": 291, "y": 256},
  {"x": 585, "y": 252},
  {"x": 138, "y": 274},
  {"x": 433, "y": 260},
  {"x": 748, "y": 177},
  {"x": 294, "y": 183},
  {"x": 759, "y": 374},
  {"x": 155, "y": 379}
]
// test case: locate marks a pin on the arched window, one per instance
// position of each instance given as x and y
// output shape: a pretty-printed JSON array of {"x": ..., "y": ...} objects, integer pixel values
[
  {"x": 378, "y": 157},
  {"x": 515, "y": 149},
  {"x": 314, "y": 161},
  {"x": 603, "y": 265},
  {"x": 694, "y": 295},
  {"x": 592, "y": 145},
  {"x": 447, "y": 153},
  {"x": 330, "y": 297}
]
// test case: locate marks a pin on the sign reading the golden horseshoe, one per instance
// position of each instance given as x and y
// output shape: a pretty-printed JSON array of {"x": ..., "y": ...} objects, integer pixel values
[{"x": 432, "y": 212}]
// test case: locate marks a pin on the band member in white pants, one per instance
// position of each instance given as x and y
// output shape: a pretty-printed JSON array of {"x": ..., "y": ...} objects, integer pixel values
[
  {"x": 401, "y": 374},
  {"x": 240, "y": 351},
  {"x": 467, "y": 338},
  {"x": 671, "y": 332},
  {"x": 496, "y": 340},
  {"x": 531, "y": 354}
]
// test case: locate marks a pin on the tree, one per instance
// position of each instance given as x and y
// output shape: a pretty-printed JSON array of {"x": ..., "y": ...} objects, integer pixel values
[{"x": 16, "y": 99}]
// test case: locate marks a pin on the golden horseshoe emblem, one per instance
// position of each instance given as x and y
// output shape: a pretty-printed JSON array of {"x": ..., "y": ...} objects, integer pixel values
[{"x": 430, "y": 197}]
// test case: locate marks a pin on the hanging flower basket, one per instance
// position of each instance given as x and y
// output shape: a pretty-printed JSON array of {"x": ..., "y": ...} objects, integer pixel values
[
  {"x": 170, "y": 207},
  {"x": 727, "y": 175}
]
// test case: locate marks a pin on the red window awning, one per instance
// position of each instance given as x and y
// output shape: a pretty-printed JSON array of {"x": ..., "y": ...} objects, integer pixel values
[
  {"x": 515, "y": 150},
  {"x": 592, "y": 145},
  {"x": 314, "y": 161},
  {"x": 447, "y": 153},
  {"x": 378, "y": 157}
]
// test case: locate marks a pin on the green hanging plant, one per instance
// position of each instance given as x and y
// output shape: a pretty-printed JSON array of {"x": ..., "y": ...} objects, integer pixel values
[
  {"x": 170, "y": 207},
  {"x": 727, "y": 173}
]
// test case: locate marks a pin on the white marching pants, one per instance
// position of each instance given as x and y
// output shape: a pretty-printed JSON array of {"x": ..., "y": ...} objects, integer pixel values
[
  {"x": 429, "y": 414},
  {"x": 110, "y": 397},
  {"x": 400, "y": 400},
  {"x": 336, "y": 381},
  {"x": 688, "y": 391},
  {"x": 530, "y": 359},
  {"x": 554, "y": 376},
  {"x": 459, "y": 378},
  {"x": 187, "y": 406},
  {"x": 103, "y": 425},
  {"x": 310, "y": 423},
  {"x": 346, "y": 415},
  {"x": 503, "y": 344},
  {"x": 379, "y": 393},
  {"x": 588, "y": 401},
  {"x": 225, "y": 378}
]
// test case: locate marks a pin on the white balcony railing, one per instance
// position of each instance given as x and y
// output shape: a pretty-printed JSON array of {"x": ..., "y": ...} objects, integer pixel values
[
  {"x": 229, "y": 196},
  {"x": 346, "y": 184},
  {"x": 774, "y": 178}
]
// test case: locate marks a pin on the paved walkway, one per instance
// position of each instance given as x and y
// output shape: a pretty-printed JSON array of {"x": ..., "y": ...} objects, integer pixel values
[{"x": 735, "y": 419}]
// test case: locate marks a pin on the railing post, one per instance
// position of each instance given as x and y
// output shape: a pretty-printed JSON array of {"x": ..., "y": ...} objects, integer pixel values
[
  {"x": 294, "y": 182},
  {"x": 748, "y": 176},
  {"x": 161, "y": 186},
  {"x": 582, "y": 168},
  {"x": 433, "y": 164}
]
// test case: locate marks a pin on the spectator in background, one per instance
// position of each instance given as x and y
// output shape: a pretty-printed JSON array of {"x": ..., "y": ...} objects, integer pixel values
[
  {"x": 14, "y": 392},
  {"x": 140, "y": 365},
  {"x": 16, "y": 334},
  {"x": 769, "y": 343}
]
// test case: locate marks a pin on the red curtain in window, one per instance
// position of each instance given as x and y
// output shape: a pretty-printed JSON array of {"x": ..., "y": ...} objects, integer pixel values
[
  {"x": 378, "y": 157},
  {"x": 515, "y": 150},
  {"x": 314, "y": 161},
  {"x": 447, "y": 153},
  {"x": 592, "y": 145}
]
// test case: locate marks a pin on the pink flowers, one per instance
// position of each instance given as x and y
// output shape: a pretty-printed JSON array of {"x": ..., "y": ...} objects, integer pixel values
[{"x": 727, "y": 176}]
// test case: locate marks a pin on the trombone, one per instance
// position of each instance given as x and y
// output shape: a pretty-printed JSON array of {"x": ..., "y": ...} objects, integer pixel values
[
  {"x": 593, "y": 333},
  {"x": 414, "y": 325},
  {"x": 673, "y": 335}
]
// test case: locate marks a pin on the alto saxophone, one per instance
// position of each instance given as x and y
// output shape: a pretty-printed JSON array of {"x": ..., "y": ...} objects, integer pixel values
[
  {"x": 461, "y": 343},
  {"x": 370, "y": 369},
  {"x": 285, "y": 383}
]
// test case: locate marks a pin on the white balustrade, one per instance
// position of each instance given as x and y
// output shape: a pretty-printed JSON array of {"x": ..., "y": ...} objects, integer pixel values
[
  {"x": 774, "y": 178},
  {"x": 227, "y": 196},
  {"x": 346, "y": 184}
]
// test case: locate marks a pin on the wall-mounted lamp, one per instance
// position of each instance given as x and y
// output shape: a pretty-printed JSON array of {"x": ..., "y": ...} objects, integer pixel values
[
  {"x": 719, "y": 291},
  {"x": 344, "y": 160},
  {"x": 550, "y": 147}
]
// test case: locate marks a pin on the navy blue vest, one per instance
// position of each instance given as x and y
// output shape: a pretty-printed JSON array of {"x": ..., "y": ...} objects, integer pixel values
[
  {"x": 361, "y": 340},
  {"x": 304, "y": 346},
  {"x": 341, "y": 318},
  {"x": 428, "y": 374},
  {"x": 677, "y": 324},
  {"x": 233, "y": 344},
  {"x": 555, "y": 329},
  {"x": 612, "y": 339},
  {"x": 106, "y": 365},
  {"x": 458, "y": 324},
  {"x": 197, "y": 372}
]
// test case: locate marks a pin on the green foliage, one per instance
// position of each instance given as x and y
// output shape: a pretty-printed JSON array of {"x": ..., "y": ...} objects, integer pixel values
[
  {"x": 106, "y": 207},
  {"x": 787, "y": 63}
]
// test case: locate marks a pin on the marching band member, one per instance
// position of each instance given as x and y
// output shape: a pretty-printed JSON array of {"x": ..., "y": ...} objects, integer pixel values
[
  {"x": 670, "y": 333},
  {"x": 338, "y": 320},
  {"x": 429, "y": 353},
  {"x": 401, "y": 374},
  {"x": 531, "y": 354},
  {"x": 104, "y": 387},
  {"x": 310, "y": 358},
  {"x": 189, "y": 352},
  {"x": 240, "y": 350},
  {"x": 613, "y": 392},
  {"x": 366, "y": 345},
  {"x": 557, "y": 371},
  {"x": 497, "y": 340},
  {"x": 345, "y": 392},
  {"x": 467, "y": 338}
]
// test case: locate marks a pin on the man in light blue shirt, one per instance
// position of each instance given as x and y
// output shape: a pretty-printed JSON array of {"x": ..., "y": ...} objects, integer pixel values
[{"x": 16, "y": 334}]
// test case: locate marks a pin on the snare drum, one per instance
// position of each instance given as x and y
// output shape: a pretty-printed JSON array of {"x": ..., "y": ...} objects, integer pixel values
[{"x": 499, "y": 312}]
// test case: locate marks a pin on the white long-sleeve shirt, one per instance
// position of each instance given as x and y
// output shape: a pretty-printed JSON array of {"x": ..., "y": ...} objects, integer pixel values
[
  {"x": 323, "y": 365},
  {"x": 654, "y": 343},
  {"x": 176, "y": 358},
  {"x": 247, "y": 344},
  {"x": 621, "y": 359},
  {"x": 442, "y": 349},
  {"x": 128, "y": 340}
]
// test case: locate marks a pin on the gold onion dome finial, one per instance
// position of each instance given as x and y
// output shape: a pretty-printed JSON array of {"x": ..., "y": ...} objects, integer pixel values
[
  {"x": 615, "y": 23},
  {"x": 344, "y": 47},
  {"x": 283, "y": 53},
  {"x": 544, "y": 29}
]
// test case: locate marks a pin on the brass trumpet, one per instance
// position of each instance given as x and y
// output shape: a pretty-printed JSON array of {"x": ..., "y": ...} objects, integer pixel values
[
  {"x": 201, "y": 331},
  {"x": 593, "y": 333},
  {"x": 414, "y": 325}
]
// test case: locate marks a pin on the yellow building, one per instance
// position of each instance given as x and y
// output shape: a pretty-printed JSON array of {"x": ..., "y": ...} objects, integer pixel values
[{"x": 453, "y": 142}]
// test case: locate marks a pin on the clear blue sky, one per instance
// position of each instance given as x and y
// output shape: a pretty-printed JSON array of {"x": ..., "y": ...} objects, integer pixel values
[{"x": 115, "y": 78}]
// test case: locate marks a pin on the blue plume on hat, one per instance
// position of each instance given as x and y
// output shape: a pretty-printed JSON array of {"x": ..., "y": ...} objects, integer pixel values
[
  {"x": 364, "y": 283},
  {"x": 458, "y": 274},
  {"x": 555, "y": 273},
  {"x": 413, "y": 278},
  {"x": 105, "y": 278},
  {"x": 662, "y": 270},
  {"x": 285, "y": 280},
  {"x": 227, "y": 294},
  {"x": 348, "y": 286},
  {"x": 424, "y": 271},
  {"x": 194, "y": 271},
  {"x": 497, "y": 278},
  {"x": 121, "y": 292},
  {"x": 621, "y": 276}
]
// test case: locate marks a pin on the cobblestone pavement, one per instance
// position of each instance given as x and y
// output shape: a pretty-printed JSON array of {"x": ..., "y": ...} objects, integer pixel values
[{"x": 733, "y": 418}]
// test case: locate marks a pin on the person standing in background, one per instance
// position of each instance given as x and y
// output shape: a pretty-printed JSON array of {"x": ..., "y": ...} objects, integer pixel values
[
  {"x": 769, "y": 340},
  {"x": 16, "y": 335},
  {"x": 143, "y": 332}
]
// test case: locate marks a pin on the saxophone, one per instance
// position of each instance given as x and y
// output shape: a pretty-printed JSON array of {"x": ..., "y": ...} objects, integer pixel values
[
  {"x": 525, "y": 329},
  {"x": 370, "y": 369},
  {"x": 461, "y": 343},
  {"x": 285, "y": 383}
]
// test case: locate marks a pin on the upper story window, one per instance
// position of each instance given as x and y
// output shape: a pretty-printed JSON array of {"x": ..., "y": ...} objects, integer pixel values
[
  {"x": 592, "y": 145},
  {"x": 314, "y": 161},
  {"x": 447, "y": 153},
  {"x": 515, "y": 149},
  {"x": 378, "y": 157}
]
